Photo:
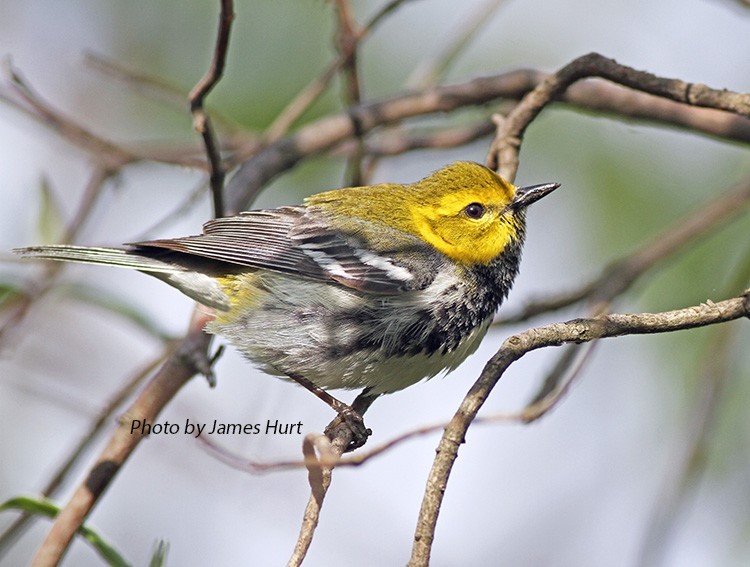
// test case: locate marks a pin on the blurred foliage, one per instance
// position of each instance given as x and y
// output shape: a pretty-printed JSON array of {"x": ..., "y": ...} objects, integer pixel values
[
  {"x": 255, "y": 86},
  {"x": 159, "y": 556},
  {"x": 115, "y": 304},
  {"x": 49, "y": 221},
  {"x": 9, "y": 290},
  {"x": 47, "y": 509}
]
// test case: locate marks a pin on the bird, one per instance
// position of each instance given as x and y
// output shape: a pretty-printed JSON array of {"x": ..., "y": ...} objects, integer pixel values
[{"x": 374, "y": 287}]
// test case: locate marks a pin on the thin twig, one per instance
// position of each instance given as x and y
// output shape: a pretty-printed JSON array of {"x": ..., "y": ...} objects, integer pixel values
[
  {"x": 503, "y": 155},
  {"x": 142, "y": 83},
  {"x": 182, "y": 365},
  {"x": 328, "y": 458},
  {"x": 216, "y": 70},
  {"x": 111, "y": 155},
  {"x": 102, "y": 420},
  {"x": 516, "y": 346},
  {"x": 347, "y": 42},
  {"x": 201, "y": 121},
  {"x": 320, "y": 475},
  {"x": 430, "y": 72},
  {"x": 308, "y": 95},
  {"x": 397, "y": 141},
  {"x": 323, "y": 134},
  {"x": 621, "y": 274},
  {"x": 155, "y": 88},
  {"x": 45, "y": 280}
]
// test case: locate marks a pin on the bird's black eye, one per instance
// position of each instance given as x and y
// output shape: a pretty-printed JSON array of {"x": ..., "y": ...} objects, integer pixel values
[{"x": 475, "y": 211}]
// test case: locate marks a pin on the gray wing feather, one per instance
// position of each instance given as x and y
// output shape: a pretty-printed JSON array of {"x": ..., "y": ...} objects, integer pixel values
[
  {"x": 257, "y": 239},
  {"x": 299, "y": 241}
]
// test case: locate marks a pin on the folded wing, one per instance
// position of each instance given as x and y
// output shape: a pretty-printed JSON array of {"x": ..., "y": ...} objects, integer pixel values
[{"x": 300, "y": 241}]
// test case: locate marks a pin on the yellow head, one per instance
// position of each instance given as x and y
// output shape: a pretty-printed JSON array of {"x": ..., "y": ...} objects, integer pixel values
[{"x": 465, "y": 210}]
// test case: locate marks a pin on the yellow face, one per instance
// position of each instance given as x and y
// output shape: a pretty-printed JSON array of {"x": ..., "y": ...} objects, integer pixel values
[
  {"x": 462, "y": 210},
  {"x": 472, "y": 225}
]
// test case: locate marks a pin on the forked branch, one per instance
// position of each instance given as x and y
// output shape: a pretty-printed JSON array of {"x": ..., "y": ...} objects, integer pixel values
[{"x": 516, "y": 346}]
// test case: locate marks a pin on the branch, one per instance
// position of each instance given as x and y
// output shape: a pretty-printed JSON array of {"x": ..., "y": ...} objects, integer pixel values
[
  {"x": 320, "y": 475},
  {"x": 428, "y": 73},
  {"x": 45, "y": 281},
  {"x": 201, "y": 121},
  {"x": 323, "y": 134},
  {"x": 257, "y": 167},
  {"x": 297, "y": 107},
  {"x": 173, "y": 375},
  {"x": 397, "y": 141},
  {"x": 503, "y": 155},
  {"x": 12, "y": 532},
  {"x": 621, "y": 274},
  {"x": 620, "y": 102},
  {"x": 347, "y": 43},
  {"x": 516, "y": 346},
  {"x": 23, "y": 97}
]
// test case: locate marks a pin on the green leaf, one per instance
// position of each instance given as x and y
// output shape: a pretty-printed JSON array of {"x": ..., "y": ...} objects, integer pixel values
[
  {"x": 9, "y": 291},
  {"x": 49, "y": 510},
  {"x": 50, "y": 219},
  {"x": 159, "y": 556}
]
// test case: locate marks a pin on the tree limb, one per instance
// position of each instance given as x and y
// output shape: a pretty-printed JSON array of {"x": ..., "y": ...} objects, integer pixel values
[
  {"x": 516, "y": 346},
  {"x": 173, "y": 375},
  {"x": 503, "y": 155}
]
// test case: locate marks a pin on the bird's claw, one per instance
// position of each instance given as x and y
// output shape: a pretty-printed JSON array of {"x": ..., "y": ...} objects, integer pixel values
[{"x": 354, "y": 423}]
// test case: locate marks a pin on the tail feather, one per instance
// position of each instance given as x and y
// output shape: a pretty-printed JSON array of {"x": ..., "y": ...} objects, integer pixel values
[
  {"x": 198, "y": 286},
  {"x": 119, "y": 257}
]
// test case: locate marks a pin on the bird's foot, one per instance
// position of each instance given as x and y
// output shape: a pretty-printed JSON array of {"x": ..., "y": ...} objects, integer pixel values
[{"x": 353, "y": 421}]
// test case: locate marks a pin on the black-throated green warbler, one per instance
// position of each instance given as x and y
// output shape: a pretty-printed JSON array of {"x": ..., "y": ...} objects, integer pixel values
[{"x": 365, "y": 287}]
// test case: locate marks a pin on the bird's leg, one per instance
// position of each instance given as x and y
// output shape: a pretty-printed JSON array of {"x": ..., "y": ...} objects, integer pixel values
[
  {"x": 346, "y": 414},
  {"x": 359, "y": 406},
  {"x": 363, "y": 402}
]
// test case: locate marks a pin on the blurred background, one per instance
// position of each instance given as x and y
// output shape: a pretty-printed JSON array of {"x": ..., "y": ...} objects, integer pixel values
[{"x": 589, "y": 484}]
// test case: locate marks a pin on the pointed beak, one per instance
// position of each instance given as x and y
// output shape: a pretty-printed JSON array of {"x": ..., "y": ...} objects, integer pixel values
[{"x": 527, "y": 195}]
